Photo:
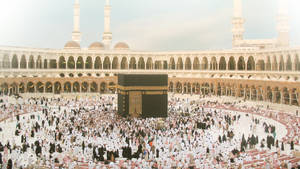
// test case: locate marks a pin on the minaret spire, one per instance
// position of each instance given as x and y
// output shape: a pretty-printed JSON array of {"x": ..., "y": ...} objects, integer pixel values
[
  {"x": 283, "y": 24},
  {"x": 76, "y": 35},
  {"x": 107, "y": 35},
  {"x": 238, "y": 23}
]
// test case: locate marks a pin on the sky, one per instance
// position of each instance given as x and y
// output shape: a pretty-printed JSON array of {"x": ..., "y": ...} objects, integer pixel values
[{"x": 151, "y": 25}]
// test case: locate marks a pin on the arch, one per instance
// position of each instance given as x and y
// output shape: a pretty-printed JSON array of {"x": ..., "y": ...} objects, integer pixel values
[
  {"x": 286, "y": 96},
  {"x": 241, "y": 63},
  {"x": 149, "y": 64},
  {"x": 268, "y": 64},
  {"x": 213, "y": 63},
  {"x": 67, "y": 87},
  {"x": 204, "y": 63},
  {"x": 40, "y": 87},
  {"x": 48, "y": 87},
  {"x": 15, "y": 62},
  {"x": 94, "y": 87},
  {"x": 132, "y": 63},
  {"x": 172, "y": 65},
  {"x": 6, "y": 62},
  {"x": 141, "y": 63},
  {"x": 106, "y": 63},
  {"x": 45, "y": 64},
  {"x": 30, "y": 87},
  {"x": 165, "y": 65},
  {"x": 231, "y": 63},
  {"x": 277, "y": 95},
  {"x": 84, "y": 87},
  {"x": 188, "y": 64},
  {"x": 222, "y": 63},
  {"x": 289, "y": 63},
  {"x": 71, "y": 63},
  {"x": 179, "y": 87},
  {"x": 196, "y": 64},
  {"x": 98, "y": 63},
  {"x": 297, "y": 64},
  {"x": 157, "y": 65},
  {"x": 260, "y": 65},
  {"x": 103, "y": 87},
  {"x": 294, "y": 97},
  {"x": 23, "y": 63},
  {"x": 281, "y": 64},
  {"x": 62, "y": 62},
  {"x": 4, "y": 87},
  {"x": 115, "y": 63},
  {"x": 31, "y": 63},
  {"x": 38, "y": 62},
  {"x": 124, "y": 64},
  {"x": 269, "y": 94},
  {"x": 79, "y": 63},
  {"x": 76, "y": 87},
  {"x": 251, "y": 63},
  {"x": 171, "y": 87},
  {"x": 111, "y": 87},
  {"x": 179, "y": 64},
  {"x": 57, "y": 88},
  {"x": 275, "y": 64},
  {"x": 89, "y": 63},
  {"x": 21, "y": 87}
]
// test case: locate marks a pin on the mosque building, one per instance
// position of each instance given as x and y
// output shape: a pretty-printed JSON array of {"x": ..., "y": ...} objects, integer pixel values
[{"x": 260, "y": 69}]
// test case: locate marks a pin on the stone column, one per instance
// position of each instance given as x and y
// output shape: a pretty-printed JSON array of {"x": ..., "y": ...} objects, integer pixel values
[
  {"x": 273, "y": 96},
  {"x": 290, "y": 95},
  {"x": 281, "y": 97}
]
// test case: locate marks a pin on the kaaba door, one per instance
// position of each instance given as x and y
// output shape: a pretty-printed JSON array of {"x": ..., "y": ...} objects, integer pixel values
[{"x": 135, "y": 103}]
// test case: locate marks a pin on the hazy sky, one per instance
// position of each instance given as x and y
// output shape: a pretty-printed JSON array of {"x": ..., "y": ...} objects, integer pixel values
[{"x": 143, "y": 24}]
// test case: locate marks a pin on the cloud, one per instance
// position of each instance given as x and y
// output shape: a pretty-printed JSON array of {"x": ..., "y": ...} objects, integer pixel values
[{"x": 176, "y": 32}]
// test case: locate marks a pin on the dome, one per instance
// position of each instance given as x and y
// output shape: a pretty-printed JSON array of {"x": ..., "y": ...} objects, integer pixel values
[
  {"x": 96, "y": 46},
  {"x": 121, "y": 46},
  {"x": 72, "y": 45}
]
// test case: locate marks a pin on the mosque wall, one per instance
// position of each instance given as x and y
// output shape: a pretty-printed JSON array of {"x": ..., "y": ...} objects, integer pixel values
[{"x": 268, "y": 75}]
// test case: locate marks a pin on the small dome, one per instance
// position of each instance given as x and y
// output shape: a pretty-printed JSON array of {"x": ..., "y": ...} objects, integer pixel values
[
  {"x": 72, "y": 45},
  {"x": 96, "y": 46},
  {"x": 121, "y": 46}
]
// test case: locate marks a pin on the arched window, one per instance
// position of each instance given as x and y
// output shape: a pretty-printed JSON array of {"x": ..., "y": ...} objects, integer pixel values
[
  {"x": 98, "y": 64},
  {"x": 241, "y": 63},
  {"x": 79, "y": 63},
  {"x": 71, "y": 63},
  {"x": 89, "y": 63},
  {"x": 172, "y": 64},
  {"x": 15, "y": 62},
  {"x": 23, "y": 64},
  {"x": 132, "y": 64},
  {"x": 141, "y": 64},
  {"x": 188, "y": 64},
  {"x": 124, "y": 64},
  {"x": 251, "y": 63},
  {"x": 222, "y": 63},
  {"x": 106, "y": 63},
  {"x": 62, "y": 62},
  {"x": 115, "y": 63},
  {"x": 179, "y": 64},
  {"x": 231, "y": 63}
]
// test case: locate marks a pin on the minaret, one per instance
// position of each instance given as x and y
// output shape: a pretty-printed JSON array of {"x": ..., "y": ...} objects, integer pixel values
[
  {"x": 76, "y": 35},
  {"x": 238, "y": 23},
  {"x": 107, "y": 35},
  {"x": 283, "y": 24}
]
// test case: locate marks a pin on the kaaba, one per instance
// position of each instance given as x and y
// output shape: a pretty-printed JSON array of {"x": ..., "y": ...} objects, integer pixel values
[{"x": 143, "y": 95}]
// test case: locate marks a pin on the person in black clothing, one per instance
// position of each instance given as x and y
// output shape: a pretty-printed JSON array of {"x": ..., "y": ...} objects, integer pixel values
[{"x": 9, "y": 164}]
